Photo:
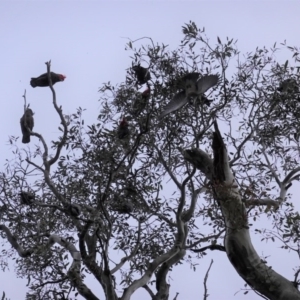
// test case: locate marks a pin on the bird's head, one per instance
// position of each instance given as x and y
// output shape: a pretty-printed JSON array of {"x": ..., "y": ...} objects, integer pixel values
[
  {"x": 136, "y": 67},
  {"x": 123, "y": 122},
  {"x": 62, "y": 77},
  {"x": 29, "y": 112}
]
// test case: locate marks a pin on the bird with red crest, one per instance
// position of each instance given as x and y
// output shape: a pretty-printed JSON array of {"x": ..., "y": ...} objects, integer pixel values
[
  {"x": 141, "y": 101},
  {"x": 123, "y": 129},
  {"x": 43, "y": 81}
]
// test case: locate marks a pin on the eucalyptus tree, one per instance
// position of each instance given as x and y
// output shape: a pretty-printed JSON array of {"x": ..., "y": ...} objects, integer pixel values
[{"x": 129, "y": 208}]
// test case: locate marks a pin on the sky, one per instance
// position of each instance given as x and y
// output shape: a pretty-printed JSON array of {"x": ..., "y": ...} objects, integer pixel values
[{"x": 85, "y": 41}]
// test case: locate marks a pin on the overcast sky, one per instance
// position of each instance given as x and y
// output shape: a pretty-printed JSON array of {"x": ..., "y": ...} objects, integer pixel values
[{"x": 85, "y": 41}]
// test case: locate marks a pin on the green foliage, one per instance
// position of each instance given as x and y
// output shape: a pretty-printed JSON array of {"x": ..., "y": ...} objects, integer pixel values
[{"x": 102, "y": 174}]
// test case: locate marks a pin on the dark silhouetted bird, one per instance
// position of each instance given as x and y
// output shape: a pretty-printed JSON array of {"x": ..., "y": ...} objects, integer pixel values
[
  {"x": 141, "y": 101},
  {"x": 289, "y": 86},
  {"x": 27, "y": 124},
  {"x": 123, "y": 129},
  {"x": 43, "y": 79},
  {"x": 121, "y": 205},
  {"x": 27, "y": 198},
  {"x": 289, "y": 90},
  {"x": 146, "y": 93},
  {"x": 192, "y": 85},
  {"x": 142, "y": 74},
  {"x": 125, "y": 208},
  {"x": 74, "y": 210}
]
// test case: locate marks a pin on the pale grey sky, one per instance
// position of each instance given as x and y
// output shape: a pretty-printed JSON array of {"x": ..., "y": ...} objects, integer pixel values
[{"x": 85, "y": 41}]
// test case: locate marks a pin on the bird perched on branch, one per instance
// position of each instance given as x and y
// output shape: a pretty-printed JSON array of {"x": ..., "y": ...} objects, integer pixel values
[
  {"x": 27, "y": 198},
  {"x": 192, "y": 85},
  {"x": 121, "y": 205},
  {"x": 288, "y": 85},
  {"x": 126, "y": 207},
  {"x": 142, "y": 74},
  {"x": 42, "y": 80},
  {"x": 146, "y": 92},
  {"x": 27, "y": 124},
  {"x": 73, "y": 210},
  {"x": 123, "y": 129},
  {"x": 141, "y": 101}
]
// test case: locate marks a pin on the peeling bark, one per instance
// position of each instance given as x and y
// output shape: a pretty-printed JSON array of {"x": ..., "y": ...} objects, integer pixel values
[{"x": 237, "y": 242}]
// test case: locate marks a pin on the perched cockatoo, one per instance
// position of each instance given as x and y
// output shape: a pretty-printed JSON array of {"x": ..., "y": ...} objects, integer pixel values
[
  {"x": 27, "y": 124},
  {"x": 42, "y": 80},
  {"x": 142, "y": 74}
]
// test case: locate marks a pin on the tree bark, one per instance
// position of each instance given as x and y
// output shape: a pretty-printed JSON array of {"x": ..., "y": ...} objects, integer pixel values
[{"x": 237, "y": 242}]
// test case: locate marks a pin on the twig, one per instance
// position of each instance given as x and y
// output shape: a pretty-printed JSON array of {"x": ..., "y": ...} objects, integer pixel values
[
  {"x": 205, "y": 281},
  {"x": 210, "y": 247},
  {"x": 62, "y": 118},
  {"x": 167, "y": 168},
  {"x": 269, "y": 166},
  {"x": 24, "y": 96},
  {"x": 133, "y": 253}
]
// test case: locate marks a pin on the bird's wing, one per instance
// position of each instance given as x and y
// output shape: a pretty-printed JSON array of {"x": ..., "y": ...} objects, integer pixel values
[
  {"x": 31, "y": 123},
  {"x": 22, "y": 122},
  {"x": 177, "y": 102},
  {"x": 207, "y": 82},
  {"x": 188, "y": 82},
  {"x": 190, "y": 76}
]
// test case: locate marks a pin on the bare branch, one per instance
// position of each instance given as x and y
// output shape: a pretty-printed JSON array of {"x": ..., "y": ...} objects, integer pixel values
[
  {"x": 175, "y": 298},
  {"x": 263, "y": 150},
  {"x": 201, "y": 160},
  {"x": 167, "y": 168},
  {"x": 189, "y": 213},
  {"x": 290, "y": 177},
  {"x": 161, "y": 276},
  {"x": 62, "y": 119},
  {"x": 74, "y": 270},
  {"x": 24, "y": 96},
  {"x": 239, "y": 148},
  {"x": 132, "y": 254},
  {"x": 146, "y": 287},
  {"x": 205, "y": 281},
  {"x": 210, "y": 247},
  {"x": 149, "y": 272}
]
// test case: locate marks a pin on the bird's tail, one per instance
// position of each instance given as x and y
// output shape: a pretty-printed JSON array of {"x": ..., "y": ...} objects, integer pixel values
[
  {"x": 26, "y": 139},
  {"x": 33, "y": 82},
  {"x": 207, "y": 101}
]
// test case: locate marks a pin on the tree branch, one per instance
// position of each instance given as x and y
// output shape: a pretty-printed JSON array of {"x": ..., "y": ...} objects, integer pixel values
[
  {"x": 14, "y": 243},
  {"x": 74, "y": 270},
  {"x": 62, "y": 118},
  {"x": 132, "y": 254},
  {"x": 210, "y": 247},
  {"x": 167, "y": 168},
  {"x": 205, "y": 281}
]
